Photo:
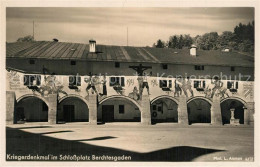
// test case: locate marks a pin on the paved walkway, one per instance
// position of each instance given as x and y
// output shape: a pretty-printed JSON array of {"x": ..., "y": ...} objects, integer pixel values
[{"x": 160, "y": 142}]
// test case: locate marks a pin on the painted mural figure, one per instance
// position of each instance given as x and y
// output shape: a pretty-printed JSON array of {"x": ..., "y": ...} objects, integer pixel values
[
  {"x": 104, "y": 81},
  {"x": 134, "y": 95},
  {"x": 177, "y": 86},
  {"x": 142, "y": 81},
  {"x": 207, "y": 92},
  {"x": 145, "y": 84},
  {"x": 218, "y": 86},
  {"x": 186, "y": 85},
  {"x": 92, "y": 82}
]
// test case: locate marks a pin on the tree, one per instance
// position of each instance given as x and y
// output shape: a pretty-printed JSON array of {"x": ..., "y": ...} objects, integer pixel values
[
  {"x": 159, "y": 44},
  {"x": 27, "y": 38}
]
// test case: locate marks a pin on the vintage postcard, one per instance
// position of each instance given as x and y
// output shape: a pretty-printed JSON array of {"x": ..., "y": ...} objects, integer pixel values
[{"x": 129, "y": 83}]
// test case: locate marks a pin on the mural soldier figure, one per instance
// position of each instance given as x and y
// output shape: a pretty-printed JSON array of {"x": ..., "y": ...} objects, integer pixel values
[
  {"x": 92, "y": 81},
  {"x": 177, "y": 87},
  {"x": 186, "y": 85},
  {"x": 218, "y": 87}
]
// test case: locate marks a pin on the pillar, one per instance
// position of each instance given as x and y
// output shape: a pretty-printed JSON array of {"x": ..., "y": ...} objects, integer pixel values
[
  {"x": 92, "y": 109},
  {"x": 146, "y": 111},
  {"x": 182, "y": 110},
  {"x": 246, "y": 116},
  {"x": 52, "y": 105},
  {"x": 216, "y": 117},
  {"x": 251, "y": 112},
  {"x": 10, "y": 107}
]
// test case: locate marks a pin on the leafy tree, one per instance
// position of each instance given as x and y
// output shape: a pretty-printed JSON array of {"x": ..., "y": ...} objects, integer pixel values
[
  {"x": 27, "y": 38},
  {"x": 159, "y": 44}
]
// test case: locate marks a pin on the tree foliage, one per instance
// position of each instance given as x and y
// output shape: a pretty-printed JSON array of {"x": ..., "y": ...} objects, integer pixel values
[
  {"x": 27, "y": 38},
  {"x": 241, "y": 39}
]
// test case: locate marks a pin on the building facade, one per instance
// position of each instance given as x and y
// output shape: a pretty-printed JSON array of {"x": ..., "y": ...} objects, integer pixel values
[{"x": 59, "y": 82}]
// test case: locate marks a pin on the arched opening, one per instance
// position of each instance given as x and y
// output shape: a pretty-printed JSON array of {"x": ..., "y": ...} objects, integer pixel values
[
  {"x": 232, "y": 104},
  {"x": 118, "y": 109},
  {"x": 31, "y": 109},
  {"x": 164, "y": 110},
  {"x": 72, "y": 109},
  {"x": 199, "y": 111}
]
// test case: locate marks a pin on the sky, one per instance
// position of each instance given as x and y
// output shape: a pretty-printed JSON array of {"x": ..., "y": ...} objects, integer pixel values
[{"x": 109, "y": 25}]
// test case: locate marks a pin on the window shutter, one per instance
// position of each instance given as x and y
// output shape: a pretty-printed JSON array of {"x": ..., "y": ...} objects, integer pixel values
[
  {"x": 196, "y": 84},
  {"x": 38, "y": 81},
  {"x": 229, "y": 84},
  {"x": 161, "y": 84},
  {"x": 170, "y": 83},
  {"x": 122, "y": 81},
  {"x": 78, "y": 80},
  {"x": 112, "y": 81},
  {"x": 26, "y": 80},
  {"x": 204, "y": 84},
  {"x": 236, "y": 85}
]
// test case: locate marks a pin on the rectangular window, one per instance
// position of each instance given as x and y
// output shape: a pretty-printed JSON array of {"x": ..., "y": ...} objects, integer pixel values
[
  {"x": 72, "y": 62},
  {"x": 232, "y": 68},
  {"x": 199, "y": 67},
  {"x": 121, "y": 109},
  {"x": 163, "y": 83},
  {"x": 117, "y": 65},
  {"x": 31, "y": 61},
  {"x": 117, "y": 81},
  {"x": 74, "y": 80},
  {"x": 32, "y": 80},
  {"x": 199, "y": 84},
  {"x": 154, "y": 107},
  {"x": 232, "y": 85},
  {"x": 165, "y": 66}
]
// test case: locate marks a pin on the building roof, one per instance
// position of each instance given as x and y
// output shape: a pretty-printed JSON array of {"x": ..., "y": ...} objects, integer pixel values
[{"x": 77, "y": 51}]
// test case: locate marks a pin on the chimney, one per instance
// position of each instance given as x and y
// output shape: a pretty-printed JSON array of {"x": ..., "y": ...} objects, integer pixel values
[
  {"x": 193, "y": 50},
  {"x": 92, "y": 46}
]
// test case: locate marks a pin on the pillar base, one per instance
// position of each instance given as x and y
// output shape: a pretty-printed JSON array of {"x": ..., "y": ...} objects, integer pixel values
[
  {"x": 146, "y": 111},
  {"x": 183, "y": 111}
]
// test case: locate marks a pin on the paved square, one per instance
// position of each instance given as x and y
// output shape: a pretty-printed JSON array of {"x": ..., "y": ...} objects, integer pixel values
[{"x": 160, "y": 142}]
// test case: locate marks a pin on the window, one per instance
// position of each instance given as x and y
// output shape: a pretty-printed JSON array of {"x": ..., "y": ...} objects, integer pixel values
[
  {"x": 232, "y": 85},
  {"x": 117, "y": 81},
  {"x": 44, "y": 107},
  {"x": 165, "y": 83},
  {"x": 121, "y": 109},
  {"x": 31, "y": 61},
  {"x": 199, "y": 84},
  {"x": 154, "y": 107},
  {"x": 165, "y": 66},
  {"x": 32, "y": 80},
  {"x": 197, "y": 67},
  {"x": 232, "y": 68},
  {"x": 75, "y": 80},
  {"x": 117, "y": 64},
  {"x": 72, "y": 62}
]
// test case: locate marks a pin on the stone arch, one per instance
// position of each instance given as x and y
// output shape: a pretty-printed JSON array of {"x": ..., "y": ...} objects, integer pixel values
[
  {"x": 72, "y": 108},
  {"x": 31, "y": 108},
  {"x": 124, "y": 97},
  {"x": 75, "y": 96},
  {"x": 235, "y": 98},
  {"x": 32, "y": 95},
  {"x": 199, "y": 110},
  {"x": 200, "y": 97},
  {"x": 119, "y": 109},
  {"x": 240, "y": 112},
  {"x": 165, "y": 96},
  {"x": 164, "y": 109}
]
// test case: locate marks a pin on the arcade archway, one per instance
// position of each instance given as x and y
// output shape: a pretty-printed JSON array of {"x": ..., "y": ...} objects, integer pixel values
[
  {"x": 164, "y": 110},
  {"x": 118, "y": 109},
  {"x": 199, "y": 111},
  {"x": 237, "y": 105},
  {"x": 72, "y": 109},
  {"x": 31, "y": 109}
]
